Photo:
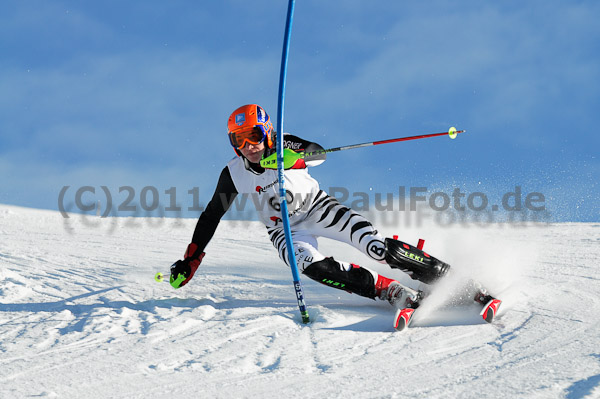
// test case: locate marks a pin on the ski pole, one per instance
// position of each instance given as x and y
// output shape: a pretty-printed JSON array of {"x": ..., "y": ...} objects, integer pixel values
[
  {"x": 452, "y": 132},
  {"x": 291, "y": 157}
]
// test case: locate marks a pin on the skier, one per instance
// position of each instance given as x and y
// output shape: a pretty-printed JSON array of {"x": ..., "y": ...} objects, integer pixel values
[{"x": 312, "y": 213}]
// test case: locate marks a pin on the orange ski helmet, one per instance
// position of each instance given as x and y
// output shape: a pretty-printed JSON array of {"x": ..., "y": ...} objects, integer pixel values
[{"x": 249, "y": 124}]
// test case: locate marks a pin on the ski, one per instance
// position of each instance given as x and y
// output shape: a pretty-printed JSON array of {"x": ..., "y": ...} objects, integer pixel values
[
  {"x": 490, "y": 309},
  {"x": 490, "y": 305},
  {"x": 404, "y": 316}
]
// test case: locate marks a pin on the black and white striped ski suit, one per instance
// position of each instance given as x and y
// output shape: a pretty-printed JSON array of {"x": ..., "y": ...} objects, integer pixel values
[{"x": 327, "y": 218}]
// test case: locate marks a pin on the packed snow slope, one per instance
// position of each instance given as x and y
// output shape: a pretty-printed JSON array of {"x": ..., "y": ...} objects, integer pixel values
[{"x": 82, "y": 317}]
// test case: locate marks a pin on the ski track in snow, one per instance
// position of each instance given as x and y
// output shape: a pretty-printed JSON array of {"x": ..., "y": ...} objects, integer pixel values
[{"x": 81, "y": 316}]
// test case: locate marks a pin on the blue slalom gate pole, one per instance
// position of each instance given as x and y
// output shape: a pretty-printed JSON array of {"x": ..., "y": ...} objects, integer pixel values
[{"x": 282, "y": 192}]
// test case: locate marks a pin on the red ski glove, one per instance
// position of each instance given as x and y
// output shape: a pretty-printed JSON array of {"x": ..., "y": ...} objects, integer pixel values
[{"x": 182, "y": 271}]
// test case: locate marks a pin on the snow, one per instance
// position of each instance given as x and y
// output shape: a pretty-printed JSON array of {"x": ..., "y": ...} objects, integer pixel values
[{"x": 81, "y": 316}]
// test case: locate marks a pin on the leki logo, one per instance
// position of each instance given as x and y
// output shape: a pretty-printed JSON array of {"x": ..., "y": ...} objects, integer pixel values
[{"x": 413, "y": 256}]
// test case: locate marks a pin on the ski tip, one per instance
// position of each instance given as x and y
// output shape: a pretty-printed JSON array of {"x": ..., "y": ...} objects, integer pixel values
[
  {"x": 403, "y": 318},
  {"x": 490, "y": 310}
]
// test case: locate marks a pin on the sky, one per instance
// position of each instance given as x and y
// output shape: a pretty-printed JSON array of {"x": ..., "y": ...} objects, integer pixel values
[{"x": 134, "y": 97}]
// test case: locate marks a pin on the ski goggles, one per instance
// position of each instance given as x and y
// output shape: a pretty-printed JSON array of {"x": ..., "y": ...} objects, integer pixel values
[{"x": 240, "y": 138}]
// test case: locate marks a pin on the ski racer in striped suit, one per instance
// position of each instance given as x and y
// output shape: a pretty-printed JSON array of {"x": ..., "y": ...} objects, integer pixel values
[{"x": 312, "y": 213}]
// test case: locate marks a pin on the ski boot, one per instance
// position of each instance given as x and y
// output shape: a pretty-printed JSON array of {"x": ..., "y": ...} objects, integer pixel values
[{"x": 405, "y": 300}]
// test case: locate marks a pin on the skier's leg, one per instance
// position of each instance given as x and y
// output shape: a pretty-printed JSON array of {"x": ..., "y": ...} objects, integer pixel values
[
  {"x": 361, "y": 281},
  {"x": 305, "y": 247},
  {"x": 341, "y": 275},
  {"x": 328, "y": 218}
]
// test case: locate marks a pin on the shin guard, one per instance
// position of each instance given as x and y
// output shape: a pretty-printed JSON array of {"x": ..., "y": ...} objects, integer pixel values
[
  {"x": 357, "y": 280},
  {"x": 414, "y": 261}
]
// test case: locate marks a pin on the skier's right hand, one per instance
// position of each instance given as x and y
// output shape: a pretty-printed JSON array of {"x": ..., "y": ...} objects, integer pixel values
[{"x": 182, "y": 271}]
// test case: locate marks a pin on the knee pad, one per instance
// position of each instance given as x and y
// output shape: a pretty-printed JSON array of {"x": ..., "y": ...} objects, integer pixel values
[
  {"x": 422, "y": 267},
  {"x": 329, "y": 272}
]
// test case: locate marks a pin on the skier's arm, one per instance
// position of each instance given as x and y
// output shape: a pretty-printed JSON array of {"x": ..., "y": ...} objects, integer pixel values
[
  {"x": 182, "y": 271},
  {"x": 298, "y": 144},
  {"x": 221, "y": 200},
  {"x": 292, "y": 147}
]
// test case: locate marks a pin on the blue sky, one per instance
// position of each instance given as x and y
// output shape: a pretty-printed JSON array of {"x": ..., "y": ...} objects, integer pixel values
[{"x": 138, "y": 93}]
